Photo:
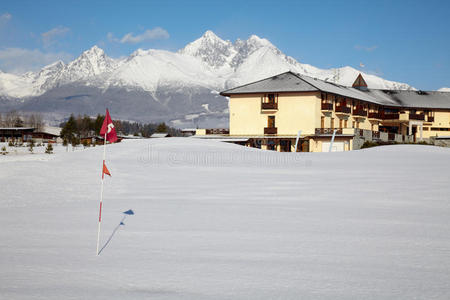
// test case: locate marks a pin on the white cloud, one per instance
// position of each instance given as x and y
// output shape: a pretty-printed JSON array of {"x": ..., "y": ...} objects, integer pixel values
[
  {"x": 112, "y": 38},
  {"x": 149, "y": 34},
  {"x": 49, "y": 37},
  {"x": 19, "y": 60},
  {"x": 4, "y": 18},
  {"x": 365, "y": 48}
]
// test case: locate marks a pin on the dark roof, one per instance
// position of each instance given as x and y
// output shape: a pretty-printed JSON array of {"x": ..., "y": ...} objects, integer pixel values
[
  {"x": 293, "y": 82},
  {"x": 285, "y": 82}
]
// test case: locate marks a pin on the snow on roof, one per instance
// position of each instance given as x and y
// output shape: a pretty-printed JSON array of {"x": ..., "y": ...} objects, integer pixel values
[
  {"x": 51, "y": 130},
  {"x": 16, "y": 128},
  {"x": 294, "y": 82},
  {"x": 160, "y": 135}
]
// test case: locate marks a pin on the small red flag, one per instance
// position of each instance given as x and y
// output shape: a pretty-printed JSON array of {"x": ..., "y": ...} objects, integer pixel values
[
  {"x": 108, "y": 129},
  {"x": 105, "y": 170}
]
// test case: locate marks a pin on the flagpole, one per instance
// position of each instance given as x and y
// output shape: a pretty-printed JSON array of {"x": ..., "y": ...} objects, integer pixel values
[{"x": 101, "y": 196}]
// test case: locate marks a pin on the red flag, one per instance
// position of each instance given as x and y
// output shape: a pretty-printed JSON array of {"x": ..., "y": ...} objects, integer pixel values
[
  {"x": 105, "y": 170},
  {"x": 108, "y": 129}
]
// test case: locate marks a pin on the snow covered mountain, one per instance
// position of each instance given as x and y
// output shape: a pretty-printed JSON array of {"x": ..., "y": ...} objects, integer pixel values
[
  {"x": 444, "y": 89},
  {"x": 158, "y": 85}
]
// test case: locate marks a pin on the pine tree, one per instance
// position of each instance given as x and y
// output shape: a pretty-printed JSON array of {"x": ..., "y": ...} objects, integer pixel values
[
  {"x": 162, "y": 127},
  {"x": 98, "y": 123},
  {"x": 69, "y": 130},
  {"x": 49, "y": 149},
  {"x": 31, "y": 145}
]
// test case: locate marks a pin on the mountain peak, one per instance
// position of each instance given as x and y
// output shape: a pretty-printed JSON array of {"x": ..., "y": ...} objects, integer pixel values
[
  {"x": 94, "y": 51},
  {"x": 210, "y": 48},
  {"x": 210, "y": 35}
]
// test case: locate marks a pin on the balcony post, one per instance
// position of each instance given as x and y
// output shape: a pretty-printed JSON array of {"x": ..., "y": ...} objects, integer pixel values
[{"x": 421, "y": 130}]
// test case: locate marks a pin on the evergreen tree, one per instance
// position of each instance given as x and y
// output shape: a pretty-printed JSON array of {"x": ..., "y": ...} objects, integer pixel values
[
  {"x": 98, "y": 124},
  {"x": 49, "y": 149},
  {"x": 162, "y": 127},
  {"x": 75, "y": 142},
  {"x": 31, "y": 145},
  {"x": 69, "y": 130}
]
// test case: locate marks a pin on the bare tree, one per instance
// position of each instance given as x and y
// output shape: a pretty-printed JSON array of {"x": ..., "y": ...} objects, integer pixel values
[
  {"x": 35, "y": 120},
  {"x": 39, "y": 121},
  {"x": 12, "y": 119}
]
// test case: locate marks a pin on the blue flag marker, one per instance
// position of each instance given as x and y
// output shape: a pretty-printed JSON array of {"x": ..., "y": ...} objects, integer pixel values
[{"x": 129, "y": 212}]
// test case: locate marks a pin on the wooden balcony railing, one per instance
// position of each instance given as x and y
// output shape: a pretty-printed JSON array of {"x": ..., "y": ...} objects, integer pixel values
[
  {"x": 327, "y": 106},
  {"x": 328, "y": 130},
  {"x": 374, "y": 115},
  {"x": 360, "y": 112},
  {"x": 390, "y": 116},
  {"x": 343, "y": 109},
  {"x": 391, "y": 136},
  {"x": 417, "y": 117},
  {"x": 269, "y": 105},
  {"x": 270, "y": 130}
]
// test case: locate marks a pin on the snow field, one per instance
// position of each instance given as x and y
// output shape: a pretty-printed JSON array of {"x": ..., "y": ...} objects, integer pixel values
[{"x": 216, "y": 220}]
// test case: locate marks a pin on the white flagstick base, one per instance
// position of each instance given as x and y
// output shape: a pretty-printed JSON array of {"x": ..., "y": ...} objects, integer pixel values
[{"x": 101, "y": 197}]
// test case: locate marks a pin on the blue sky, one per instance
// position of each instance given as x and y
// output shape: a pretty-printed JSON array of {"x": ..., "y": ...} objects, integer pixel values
[{"x": 407, "y": 41}]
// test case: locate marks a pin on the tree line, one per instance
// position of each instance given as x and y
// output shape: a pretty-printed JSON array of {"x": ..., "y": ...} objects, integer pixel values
[
  {"x": 76, "y": 128},
  {"x": 16, "y": 119}
]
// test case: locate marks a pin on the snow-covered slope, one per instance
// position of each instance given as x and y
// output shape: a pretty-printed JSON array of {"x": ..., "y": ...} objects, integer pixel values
[
  {"x": 444, "y": 89},
  {"x": 220, "y": 221}
]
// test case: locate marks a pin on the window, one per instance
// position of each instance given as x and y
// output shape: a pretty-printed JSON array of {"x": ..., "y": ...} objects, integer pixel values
[
  {"x": 332, "y": 123},
  {"x": 439, "y": 129},
  {"x": 322, "y": 122},
  {"x": 271, "y": 122},
  {"x": 271, "y": 98}
]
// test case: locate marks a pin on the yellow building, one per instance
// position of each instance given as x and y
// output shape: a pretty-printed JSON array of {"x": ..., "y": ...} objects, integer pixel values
[{"x": 271, "y": 112}]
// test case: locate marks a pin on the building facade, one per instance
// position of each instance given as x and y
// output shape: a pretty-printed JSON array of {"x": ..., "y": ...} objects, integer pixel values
[{"x": 271, "y": 112}]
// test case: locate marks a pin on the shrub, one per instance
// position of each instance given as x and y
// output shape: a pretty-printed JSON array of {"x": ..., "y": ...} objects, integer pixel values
[
  {"x": 31, "y": 146},
  {"x": 369, "y": 144},
  {"x": 49, "y": 149}
]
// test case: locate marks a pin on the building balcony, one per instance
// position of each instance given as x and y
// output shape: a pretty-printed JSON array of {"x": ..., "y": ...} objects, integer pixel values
[
  {"x": 343, "y": 109},
  {"x": 328, "y": 130},
  {"x": 430, "y": 119},
  {"x": 360, "y": 112},
  {"x": 391, "y": 136},
  {"x": 374, "y": 115},
  {"x": 390, "y": 116},
  {"x": 270, "y": 130},
  {"x": 327, "y": 106},
  {"x": 269, "y": 105},
  {"x": 420, "y": 117}
]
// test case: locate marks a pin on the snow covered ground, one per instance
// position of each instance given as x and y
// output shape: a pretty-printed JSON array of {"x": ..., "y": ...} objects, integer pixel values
[{"x": 220, "y": 221}]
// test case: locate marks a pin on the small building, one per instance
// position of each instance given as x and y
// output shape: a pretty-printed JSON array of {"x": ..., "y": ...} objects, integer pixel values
[
  {"x": 47, "y": 134},
  {"x": 212, "y": 131},
  {"x": 160, "y": 135},
  {"x": 16, "y": 134},
  {"x": 188, "y": 131}
]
